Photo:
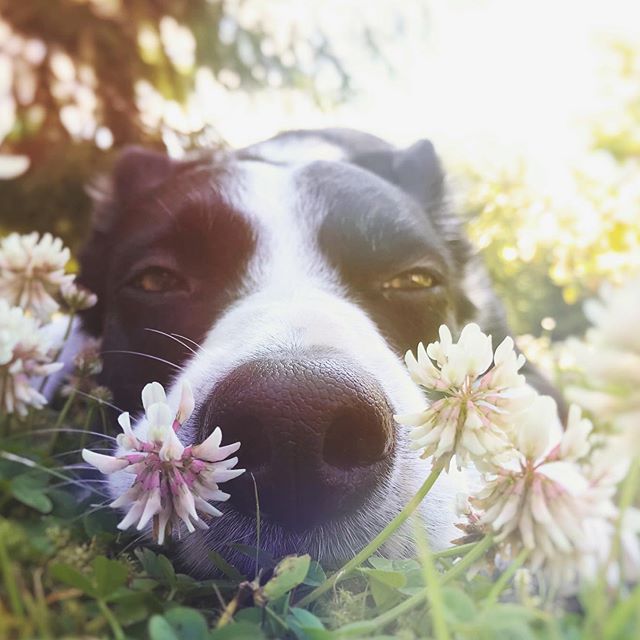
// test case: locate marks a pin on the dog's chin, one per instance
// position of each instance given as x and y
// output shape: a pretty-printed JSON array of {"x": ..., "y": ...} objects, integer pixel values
[{"x": 235, "y": 538}]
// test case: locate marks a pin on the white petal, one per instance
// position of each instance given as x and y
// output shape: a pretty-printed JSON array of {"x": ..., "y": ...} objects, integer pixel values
[
  {"x": 539, "y": 427},
  {"x": 104, "y": 464},
  {"x": 187, "y": 403},
  {"x": 163, "y": 520},
  {"x": 565, "y": 474},
  {"x": 471, "y": 443},
  {"x": 160, "y": 418},
  {"x": 153, "y": 393},
  {"x": 152, "y": 507},
  {"x": 575, "y": 441},
  {"x": 539, "y": 508},
  {"x": 508, "y": 512},
  {"x": 208, "y": 448},
  {"x": 526, "y": 529},
  {"x": 228, "y": 474},
  {"x": 185, "y": 507},
  {"x": 503, "y": 351},
  {"x": 132, "y": 516},
  {"x": 205, "y": 507},
  {"x": 411, "y": 419},
  {"x": 422, "y": 371},
  {"x": 127, "y": 439},
  {"x": 124, "y": 420},
  {"x": 172, "y": 448},
  {"x": 477, "y": 346}
]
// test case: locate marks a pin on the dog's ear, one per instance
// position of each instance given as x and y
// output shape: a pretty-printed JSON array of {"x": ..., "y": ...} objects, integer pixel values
[
  {"x": 420, "y": 173},
  {"x": 416, "y": 170},
  {"x": 137, "y": 171}
]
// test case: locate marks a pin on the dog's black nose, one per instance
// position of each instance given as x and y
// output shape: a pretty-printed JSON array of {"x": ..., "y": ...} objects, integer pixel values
[{"x": 317, "y": 435}]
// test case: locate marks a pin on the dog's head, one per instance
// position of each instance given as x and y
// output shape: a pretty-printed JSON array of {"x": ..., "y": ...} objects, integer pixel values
[{"x": 285, "y": 281}]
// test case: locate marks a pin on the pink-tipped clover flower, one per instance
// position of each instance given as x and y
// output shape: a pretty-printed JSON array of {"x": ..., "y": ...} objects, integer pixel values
[{"x": 173, "y": 483}]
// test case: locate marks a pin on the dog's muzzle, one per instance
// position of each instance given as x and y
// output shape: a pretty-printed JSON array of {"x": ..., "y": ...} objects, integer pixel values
[{"x": 317, "y": 435}]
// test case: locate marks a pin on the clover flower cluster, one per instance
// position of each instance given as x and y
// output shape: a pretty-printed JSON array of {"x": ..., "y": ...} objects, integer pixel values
[
  {"x": 472, "y": 417},
  {"x": 25, "y": 353},
  {"x": 172, "y": 484},
  {"x": 610, "y": 353},
  {"x": 547, "y": 491},
  {"x": 33, "y": 287}
]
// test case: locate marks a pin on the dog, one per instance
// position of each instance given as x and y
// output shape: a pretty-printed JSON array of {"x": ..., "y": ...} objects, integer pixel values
[{"x": 285, "y": 281}]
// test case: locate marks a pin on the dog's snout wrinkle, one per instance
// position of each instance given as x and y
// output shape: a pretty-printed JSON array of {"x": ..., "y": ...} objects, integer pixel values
[{"x": 317, "y": 434}]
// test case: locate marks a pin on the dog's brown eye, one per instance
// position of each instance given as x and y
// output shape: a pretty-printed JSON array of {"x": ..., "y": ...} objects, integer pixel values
[
  {"x": 157, "y": 280},
  {"x": 413, "y": 280}
]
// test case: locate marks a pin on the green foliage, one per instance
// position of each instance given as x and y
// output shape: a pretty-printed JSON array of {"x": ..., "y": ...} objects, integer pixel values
[
  {"x": 549, "y": 247},
  {"x": 66, "y": 574}
]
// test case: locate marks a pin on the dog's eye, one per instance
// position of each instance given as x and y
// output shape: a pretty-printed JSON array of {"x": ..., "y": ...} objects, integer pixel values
[
  {"x": 412, "y": 280},
  {"x": 157, "y": 280}
]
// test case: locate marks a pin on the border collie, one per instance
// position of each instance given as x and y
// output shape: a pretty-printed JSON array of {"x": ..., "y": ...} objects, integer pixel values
[{"x": 285, "y": 281}]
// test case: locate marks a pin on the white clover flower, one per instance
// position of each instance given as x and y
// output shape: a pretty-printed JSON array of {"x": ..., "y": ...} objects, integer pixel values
[
  {"x": 473, "y": 416},
  {"x": 32, "y": 271},
  {"x": 173, "y": 483},
  {"x": 555, "y": 499},
  {"x": 610, "y": 358},
  {"x": 25, "y": 353}
]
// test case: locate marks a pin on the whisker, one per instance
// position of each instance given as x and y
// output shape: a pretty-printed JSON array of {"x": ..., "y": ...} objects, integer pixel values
[
  {"x": 134, "y": 541},
  {"x": 98, "y": 400},
  {"x": 87, "y": 482},
  {"x": 172, "y": 337},
  {"x": 144, "y": 355},
  {"x": 193, "y": 342},
  {"x": 12, "y": 457},
  {"x": 98, "y": 507},
  {"x": 61, "y": 429},
  {"x": 76, "y": 451},
  {"x": 79, "y": 465}
]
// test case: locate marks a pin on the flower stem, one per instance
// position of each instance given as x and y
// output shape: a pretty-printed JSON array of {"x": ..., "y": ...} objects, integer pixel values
[
  {"x": 378, "y": 541},
  {"x": 10, "y": 582},
  {"x": 469, "y": 560},
  {"x": 432, "y": 586},
  {"x": 87, "y": 425},
  {"x": 454, "y": 552},
  {"x": 255, "y": 493},
  {"x": 502, "y": 581},
  {"x": 118, "y": 633},
  {"x": 61, "y": 418},
  {"x": 620, "y": 616}
]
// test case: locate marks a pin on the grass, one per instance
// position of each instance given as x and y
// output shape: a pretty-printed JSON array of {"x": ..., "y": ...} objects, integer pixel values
[{"x": 68, "y": 573}]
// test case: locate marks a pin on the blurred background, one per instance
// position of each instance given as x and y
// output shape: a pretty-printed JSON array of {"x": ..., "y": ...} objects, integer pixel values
[{"x": 534, "y": 106}]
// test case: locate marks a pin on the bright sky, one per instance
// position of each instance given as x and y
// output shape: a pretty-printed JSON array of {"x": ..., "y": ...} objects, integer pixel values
[{"x": 505, "y": 77}]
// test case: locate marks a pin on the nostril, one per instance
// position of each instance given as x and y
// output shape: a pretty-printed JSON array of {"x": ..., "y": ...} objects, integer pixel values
[
  {"x": 255, "y": 451},
  {"x": 355, "y": 439}
]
